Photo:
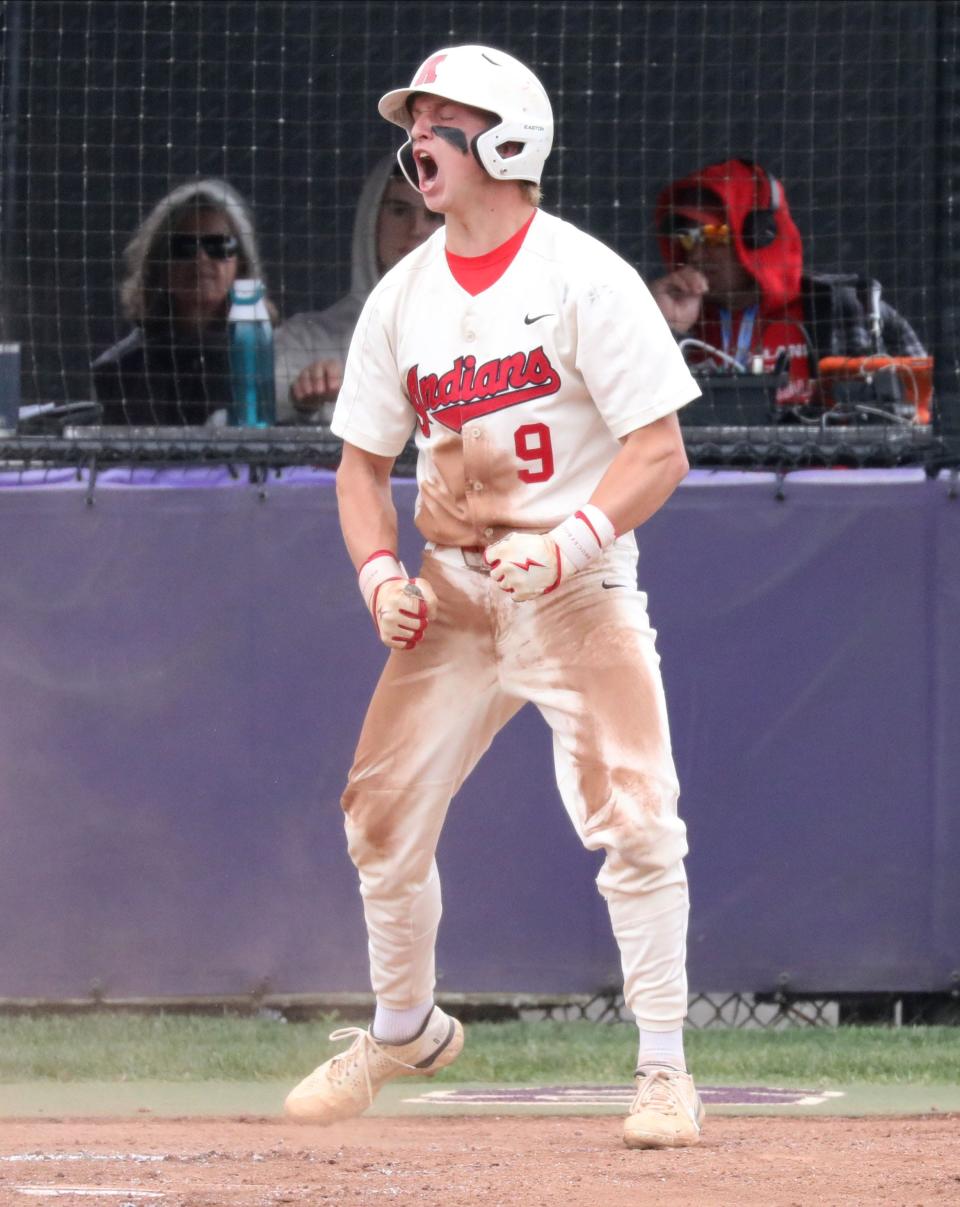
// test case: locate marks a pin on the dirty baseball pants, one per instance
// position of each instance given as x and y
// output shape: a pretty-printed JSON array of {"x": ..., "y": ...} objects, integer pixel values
[{"x": 585, "y": 656}]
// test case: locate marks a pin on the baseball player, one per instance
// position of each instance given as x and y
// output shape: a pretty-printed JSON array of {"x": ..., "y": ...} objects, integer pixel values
[{"x": 543, "y": 384}]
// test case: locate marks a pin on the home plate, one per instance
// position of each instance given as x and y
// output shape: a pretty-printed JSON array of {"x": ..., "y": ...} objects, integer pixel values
[{"x": 613, "y": 1096}]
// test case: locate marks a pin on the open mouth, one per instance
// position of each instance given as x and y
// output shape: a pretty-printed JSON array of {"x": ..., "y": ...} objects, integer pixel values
[{"x": 426, "y": 168}]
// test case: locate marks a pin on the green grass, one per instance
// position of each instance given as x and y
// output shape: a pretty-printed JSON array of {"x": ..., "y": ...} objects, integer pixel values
[{"x": 121, "y": 1047}]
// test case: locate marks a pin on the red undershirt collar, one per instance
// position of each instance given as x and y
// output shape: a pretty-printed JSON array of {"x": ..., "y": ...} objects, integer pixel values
[{"x": 477, "y": 273}]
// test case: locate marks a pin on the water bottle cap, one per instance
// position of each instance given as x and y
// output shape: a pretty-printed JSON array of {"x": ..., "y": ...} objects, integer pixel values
[{"x": 248, "y": 290}]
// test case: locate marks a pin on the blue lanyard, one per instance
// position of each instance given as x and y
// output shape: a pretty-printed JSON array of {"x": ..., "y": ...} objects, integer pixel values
[{"x": 744, "y": 335}]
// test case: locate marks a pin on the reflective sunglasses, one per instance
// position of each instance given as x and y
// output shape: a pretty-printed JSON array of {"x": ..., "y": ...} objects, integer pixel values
[
  {"x": 217, "y": 247},
  {"x": 690, "y": 234}
]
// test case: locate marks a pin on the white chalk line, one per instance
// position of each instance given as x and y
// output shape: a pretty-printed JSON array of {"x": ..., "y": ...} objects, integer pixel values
[
  {"x": 598, "y": 1096},
  {"x": 54, "y": 1192},
  {"x": 13, "y": 1158}
]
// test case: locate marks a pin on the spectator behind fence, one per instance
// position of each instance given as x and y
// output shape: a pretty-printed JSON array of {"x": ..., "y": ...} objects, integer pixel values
[
  {"x": 173, "y": 367},
  {"x": 736, "y": 283},
  {"x": 311, "y": 348}
]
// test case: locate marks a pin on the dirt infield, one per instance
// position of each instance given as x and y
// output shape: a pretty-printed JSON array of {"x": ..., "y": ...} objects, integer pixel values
[{"x": 452, "y": 1162}]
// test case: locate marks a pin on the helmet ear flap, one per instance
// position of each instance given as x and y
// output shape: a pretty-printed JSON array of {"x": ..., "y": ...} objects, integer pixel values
[
  {"x": 475, "y": 148},
  {"x": 408, "y": 165},
  {"x": 486, "y": 147}
]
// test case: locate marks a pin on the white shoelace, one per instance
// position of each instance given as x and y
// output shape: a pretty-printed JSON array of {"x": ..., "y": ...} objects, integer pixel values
[
  {"x": 658, "y": 1089},
  {"x": 363, "y": 1047}
]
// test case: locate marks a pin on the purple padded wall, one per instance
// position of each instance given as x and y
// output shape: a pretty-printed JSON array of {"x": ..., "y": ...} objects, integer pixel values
[
  {"x": 185, "y": 667},
  {"x": 811, "y": 659}
]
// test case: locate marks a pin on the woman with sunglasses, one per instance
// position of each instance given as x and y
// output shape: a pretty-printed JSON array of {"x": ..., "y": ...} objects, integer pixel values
[{"x": 173, "y": 367}]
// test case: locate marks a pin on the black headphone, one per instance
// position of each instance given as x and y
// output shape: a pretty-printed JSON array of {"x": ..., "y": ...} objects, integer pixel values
[{"x": 760, "y": 225}]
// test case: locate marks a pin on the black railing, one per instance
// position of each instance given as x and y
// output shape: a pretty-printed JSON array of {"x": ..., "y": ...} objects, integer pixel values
[{"x": 780, "y": 447}]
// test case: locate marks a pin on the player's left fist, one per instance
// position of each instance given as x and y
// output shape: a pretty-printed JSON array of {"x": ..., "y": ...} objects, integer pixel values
[
  {"x": 529, "y": 564},
  {"x": 524, "y": 564}
]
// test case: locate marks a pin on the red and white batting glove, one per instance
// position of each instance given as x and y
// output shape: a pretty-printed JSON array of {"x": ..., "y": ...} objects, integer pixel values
[
  {"x": 528, "y": 564},
  {"x": 401, "y": 606}
]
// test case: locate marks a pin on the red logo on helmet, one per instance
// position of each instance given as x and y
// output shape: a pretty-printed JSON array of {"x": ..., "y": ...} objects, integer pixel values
[
  {"x": 468, "y": 391},
  {"x": 428, "y": 72}
]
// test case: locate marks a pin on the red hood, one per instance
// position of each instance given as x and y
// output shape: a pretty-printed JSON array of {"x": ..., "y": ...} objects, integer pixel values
[{"x": 736, "y": 188}]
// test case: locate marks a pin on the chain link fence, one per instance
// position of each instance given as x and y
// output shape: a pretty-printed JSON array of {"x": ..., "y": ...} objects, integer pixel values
[
  {"x": 774, "y": 1011},
  {"x": 779, "y": 1011}
]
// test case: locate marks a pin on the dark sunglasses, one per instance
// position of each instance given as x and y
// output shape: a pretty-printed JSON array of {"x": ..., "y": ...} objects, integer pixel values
[{"x": 217, "y": 247}]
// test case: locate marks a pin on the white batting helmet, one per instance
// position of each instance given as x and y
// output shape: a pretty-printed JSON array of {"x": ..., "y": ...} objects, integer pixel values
[{"x": 484, "y": 79}]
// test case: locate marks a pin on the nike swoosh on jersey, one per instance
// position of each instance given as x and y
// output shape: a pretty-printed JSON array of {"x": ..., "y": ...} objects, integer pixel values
[
  {"x": 536, "y": 318},
  {"x": 609, "y": 586}
]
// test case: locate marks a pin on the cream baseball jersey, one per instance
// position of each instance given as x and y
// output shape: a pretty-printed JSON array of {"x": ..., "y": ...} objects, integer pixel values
[{"x": 518, "y": 396}]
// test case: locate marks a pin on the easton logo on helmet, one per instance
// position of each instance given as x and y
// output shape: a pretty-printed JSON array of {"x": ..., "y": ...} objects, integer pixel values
[{"x": 468, "y": 391}]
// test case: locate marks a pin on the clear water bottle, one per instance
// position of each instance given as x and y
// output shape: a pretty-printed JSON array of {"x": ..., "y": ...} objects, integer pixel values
[{"x": 251, "y": 356}]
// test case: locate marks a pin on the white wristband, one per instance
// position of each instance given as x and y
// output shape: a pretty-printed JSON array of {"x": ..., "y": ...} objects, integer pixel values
[
  {"x": 583, "y": 536},
  {"x": 379, "y": 568}
]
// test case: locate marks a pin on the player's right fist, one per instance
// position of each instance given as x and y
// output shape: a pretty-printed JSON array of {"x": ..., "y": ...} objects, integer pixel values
[
  {"x": 403, "y": 609},
  {"x": 401, "y": 606}
]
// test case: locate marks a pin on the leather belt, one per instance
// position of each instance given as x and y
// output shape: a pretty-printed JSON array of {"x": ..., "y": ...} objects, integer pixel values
[{"x": 471, "y": 555}]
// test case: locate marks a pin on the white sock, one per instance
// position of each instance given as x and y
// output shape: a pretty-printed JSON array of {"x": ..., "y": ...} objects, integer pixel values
[
  {"x": 400, "y": 1026},
  {"x": 662, "y": 1048}
]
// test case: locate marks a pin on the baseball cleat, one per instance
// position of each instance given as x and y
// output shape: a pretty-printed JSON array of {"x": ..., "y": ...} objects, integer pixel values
[
  {"x": 348, "y": 1083},
  {"x": 666, "y": 1112}
]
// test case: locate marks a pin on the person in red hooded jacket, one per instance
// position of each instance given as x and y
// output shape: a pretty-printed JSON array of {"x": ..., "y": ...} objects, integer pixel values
[{"x": 736, "y": 289}]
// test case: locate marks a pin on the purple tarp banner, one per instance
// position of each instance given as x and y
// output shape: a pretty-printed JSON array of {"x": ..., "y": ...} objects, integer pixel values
[{"x": 184, "y": 669}]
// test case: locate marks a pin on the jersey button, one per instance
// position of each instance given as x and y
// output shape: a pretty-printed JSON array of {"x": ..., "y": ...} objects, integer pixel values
[
  {"x": 488, "y": 532},
  {"x": 478, "y": 486},
  {"x": 475, "y": 433}
]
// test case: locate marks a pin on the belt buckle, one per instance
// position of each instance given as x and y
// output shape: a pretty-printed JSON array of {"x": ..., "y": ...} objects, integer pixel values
[{"x": 473, "y": 558}]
